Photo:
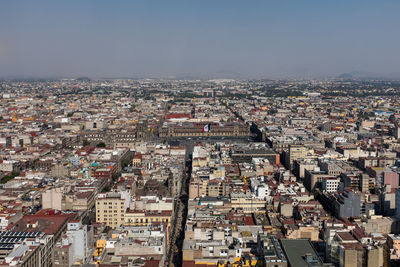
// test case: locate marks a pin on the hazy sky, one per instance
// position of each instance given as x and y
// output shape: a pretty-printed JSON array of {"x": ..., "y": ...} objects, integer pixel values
[{"x": 265, "y": 38}]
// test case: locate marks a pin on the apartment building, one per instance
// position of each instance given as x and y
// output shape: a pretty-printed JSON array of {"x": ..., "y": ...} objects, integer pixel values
[{"x": 110, "y": 209}]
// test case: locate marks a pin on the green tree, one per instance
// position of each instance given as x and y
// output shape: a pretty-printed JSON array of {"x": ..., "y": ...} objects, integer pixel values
[
  {"x": 9, "y": 177},
  {"x": 101, "y": 144}
]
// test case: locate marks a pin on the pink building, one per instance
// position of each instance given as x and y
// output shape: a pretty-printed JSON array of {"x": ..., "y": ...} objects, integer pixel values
[
  {"x": 393, "y": 242},
  {"x": 391, "y": 178}
]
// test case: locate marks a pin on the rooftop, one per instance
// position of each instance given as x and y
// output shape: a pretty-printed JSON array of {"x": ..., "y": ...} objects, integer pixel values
[{"x": 300, "y": 253}]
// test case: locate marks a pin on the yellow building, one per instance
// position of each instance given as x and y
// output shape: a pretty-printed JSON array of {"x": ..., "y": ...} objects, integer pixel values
[
  {"x": 248, "y": 204},
  {"x": 137, "y": 160},
  {"x": 110, "y": 209},
  {"x": 200, "y": 161},
  {"x": 145, "y": 217},
  {"x": 101, "y": 243}
]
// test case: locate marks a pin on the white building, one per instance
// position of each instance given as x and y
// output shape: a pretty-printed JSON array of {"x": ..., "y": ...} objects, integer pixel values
[
  {"x": 263, "y": 191},
  {"x": 331, "y": 185},
  {"x": 76, "y": 236},
  {"x": 397, "y": 132}
]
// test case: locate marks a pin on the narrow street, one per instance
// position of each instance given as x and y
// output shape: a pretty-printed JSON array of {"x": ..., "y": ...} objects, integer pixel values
[{"x": 177, "y": 231}]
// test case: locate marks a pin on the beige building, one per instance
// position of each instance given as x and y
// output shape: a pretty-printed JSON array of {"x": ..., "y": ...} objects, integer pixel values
[
  {"x": 79, "y": 200},
  {"x": 151, "y": 204},
  {"x": 60, "y": 199},
  {"x": 95, "y": 125},
  {"x": 214, "y": 188},
  {"x": 393, "y": 242},
  {"x": 110, "y": 209},
  {"x": 295, "y": 152},
  {"x": 303, "y": 232},
  {"x": 248, "y": 204},
  {"x": 52, "y": 199},
  {"x": 59, "y": 170},
  {"x": 197, "y": 188},
  {"x": 217, "y": 189},
  {"x": 378, "y": 224}
]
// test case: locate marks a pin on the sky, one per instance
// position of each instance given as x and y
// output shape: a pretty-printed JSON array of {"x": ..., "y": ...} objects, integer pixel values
[{"x": 167, "y": 38}]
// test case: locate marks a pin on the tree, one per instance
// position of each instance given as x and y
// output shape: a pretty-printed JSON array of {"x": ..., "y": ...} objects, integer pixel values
[
  {"x": 85, "y": 142},
  {"x": 125, "y": 163},
  {"x": 101, "y": 144},
  {"x": 107, "y": 188},
  {"x": 9, "y": 177}
]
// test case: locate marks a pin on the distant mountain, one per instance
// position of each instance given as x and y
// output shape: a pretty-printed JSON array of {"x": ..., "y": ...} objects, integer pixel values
[
  {"x": 345, "y": 76},
  {"x": 211, "y": 75},
  {"x": 361, "y": 75},
  {"x": 83, "y": 79}
]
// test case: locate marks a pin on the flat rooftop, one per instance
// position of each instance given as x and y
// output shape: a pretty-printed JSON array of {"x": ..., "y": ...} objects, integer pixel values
[{"x": 296, "y": 251}]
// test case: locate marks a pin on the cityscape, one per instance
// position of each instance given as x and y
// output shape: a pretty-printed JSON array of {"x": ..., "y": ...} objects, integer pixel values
[
  {"x": 199, "y": 133},
  {"x": 200, "y": 173}
]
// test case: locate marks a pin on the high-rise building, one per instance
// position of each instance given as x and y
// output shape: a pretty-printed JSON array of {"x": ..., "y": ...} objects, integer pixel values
[
  {"x": 110, "y": 209},
  {"x": 294, "y": 152},
  {"x": 345, "y": 204},
  {"x": 397, "y": 132}
]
